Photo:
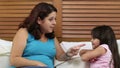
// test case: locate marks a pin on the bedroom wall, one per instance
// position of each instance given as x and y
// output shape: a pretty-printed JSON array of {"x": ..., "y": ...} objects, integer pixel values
[
  {"x": 12, "y": 13},
  {"x": 75, "y": 19}
]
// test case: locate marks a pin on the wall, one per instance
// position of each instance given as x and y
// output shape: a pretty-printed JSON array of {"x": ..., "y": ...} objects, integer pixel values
[{"x": 75, "y": 19}]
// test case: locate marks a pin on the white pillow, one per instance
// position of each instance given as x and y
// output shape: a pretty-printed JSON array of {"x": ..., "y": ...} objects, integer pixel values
[
  {"x": 4, "y": 62},
  {"x": 66, "y": 45},
  {"x": 5, "y": 48},
  {"x": 118, "y": 42},
  {"x": 76, "y": 61}
]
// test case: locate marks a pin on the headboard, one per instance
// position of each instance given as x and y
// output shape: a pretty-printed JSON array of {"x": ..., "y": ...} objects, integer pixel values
[
  {"x": 75, "y": 19},
  {"x": 12, "y": 13}
]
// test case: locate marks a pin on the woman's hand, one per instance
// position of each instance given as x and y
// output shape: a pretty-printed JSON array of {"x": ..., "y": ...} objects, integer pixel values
[
  {"x": 74, "y": 50},
  {"x": 42, "y": 65}
]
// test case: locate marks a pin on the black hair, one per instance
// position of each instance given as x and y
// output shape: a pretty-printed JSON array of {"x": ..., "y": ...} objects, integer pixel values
[{"x": 106, "y": 36}]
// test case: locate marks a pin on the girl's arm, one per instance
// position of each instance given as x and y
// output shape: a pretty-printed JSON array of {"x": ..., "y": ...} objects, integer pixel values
[
  {"x": 87, "y": 55},
  {"x": 83, "y": 51},
  {"x": 19, "y": 43}
]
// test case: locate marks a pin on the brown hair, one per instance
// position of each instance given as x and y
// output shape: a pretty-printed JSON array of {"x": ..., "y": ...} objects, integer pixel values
[{"x": 41, "y": 10}]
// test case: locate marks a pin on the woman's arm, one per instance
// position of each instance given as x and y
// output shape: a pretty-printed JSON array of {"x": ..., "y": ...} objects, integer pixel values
[
  {"x": 59, "y": 50},
  {"x": 61, "y": 55},
  {"x": 19, "y": 43},
  {"x": 87, "y": 55}
]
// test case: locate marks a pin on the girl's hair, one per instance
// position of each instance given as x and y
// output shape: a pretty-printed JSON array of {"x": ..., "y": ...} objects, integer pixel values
[
  {"x": 106, "y": 36},
  {"x": 41, "y": 10}
]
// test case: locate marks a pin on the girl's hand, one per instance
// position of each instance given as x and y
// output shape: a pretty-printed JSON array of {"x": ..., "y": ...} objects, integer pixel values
[
  {"x": 74, "y": 50},
  {"x": 93, "y": 60}
]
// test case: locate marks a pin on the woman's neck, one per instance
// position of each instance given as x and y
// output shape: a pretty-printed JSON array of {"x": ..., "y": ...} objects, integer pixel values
[{"x": 43, "y": 38}]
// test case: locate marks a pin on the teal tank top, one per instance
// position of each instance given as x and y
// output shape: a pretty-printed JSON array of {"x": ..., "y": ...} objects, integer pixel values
[{"x": 40, "y": 51}]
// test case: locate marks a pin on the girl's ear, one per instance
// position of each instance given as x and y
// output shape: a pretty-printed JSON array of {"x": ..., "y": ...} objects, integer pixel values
[{"x": 39, "y": 21}]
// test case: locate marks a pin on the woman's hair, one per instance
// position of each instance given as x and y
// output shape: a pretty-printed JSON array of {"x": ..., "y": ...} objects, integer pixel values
[
  {"x": 106, "y": 36},
  {"x": 41, "y": 10}
]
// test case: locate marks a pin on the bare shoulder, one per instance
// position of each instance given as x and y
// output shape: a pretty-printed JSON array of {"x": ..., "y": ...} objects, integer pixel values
[
  {"x": 101, "y": 50},
  {"x": 22, "y": 30},
  {"x": 21, "y": 33}
]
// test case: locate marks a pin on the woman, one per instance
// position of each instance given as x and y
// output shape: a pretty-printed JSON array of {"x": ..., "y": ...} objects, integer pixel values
[{"x": 35, "y": 44}]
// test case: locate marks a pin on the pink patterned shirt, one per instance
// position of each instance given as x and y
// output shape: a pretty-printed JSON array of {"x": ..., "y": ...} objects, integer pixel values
[{"x": 103, "y": 61}]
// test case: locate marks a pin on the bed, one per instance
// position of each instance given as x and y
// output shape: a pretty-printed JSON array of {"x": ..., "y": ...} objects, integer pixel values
[{"x": 5, "y": 48}]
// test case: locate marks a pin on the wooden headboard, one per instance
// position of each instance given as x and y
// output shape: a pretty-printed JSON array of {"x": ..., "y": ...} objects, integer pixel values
[
  {"x": 12, "y": 13},
  {"x": 75, "y": 19}
]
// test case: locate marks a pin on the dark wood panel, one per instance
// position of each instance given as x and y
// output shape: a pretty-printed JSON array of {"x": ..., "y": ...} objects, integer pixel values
[
  {"x": 92, "y": 11},
  {"x": 10, "y": 19},
  {"x": 83, "y": 32},
  {"x": 91, "y": 19},
  {"x": 7, "y": 35},
  {"x": 85, "y": 27},
  {"x": 16, "y": 7},
  {"x": 9, "y": 23},
  {"x": 81, "y": 36},
  {"x": 24, "y": 0},
  {"x": 91, "y": 2},
  {"x": 16, "y": 3},
  {"x": 8, "y": 27},
  {"x": 13, "y": 15},
  {"x": 83, "y": 23},
  {"x": 10, "y": 31},
  {"x": 75, "y": 32},
  {"x": 87, "y": 15},
  {"x": 90, "y": 7},
  {"x": 22, "y": 11}
]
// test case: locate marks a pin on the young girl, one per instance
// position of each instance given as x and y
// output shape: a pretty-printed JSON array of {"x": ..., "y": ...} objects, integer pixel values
[{"x": 105, "y": 50}]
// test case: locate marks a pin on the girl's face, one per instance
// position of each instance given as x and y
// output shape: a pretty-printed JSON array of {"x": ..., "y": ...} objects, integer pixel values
[
  {"x": 47, "y": 25},
  {"x": 95, "y": 42}
]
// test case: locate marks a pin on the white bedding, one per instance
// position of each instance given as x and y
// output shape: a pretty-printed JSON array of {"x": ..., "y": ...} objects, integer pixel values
[
  {"x": 6, "y": 48},
  {"x": 4, "y": 62},
  {"x": 76, "y": 61}
]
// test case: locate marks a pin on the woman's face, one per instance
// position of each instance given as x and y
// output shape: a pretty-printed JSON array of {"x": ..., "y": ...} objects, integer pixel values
[
  {"x": 47, "y": 25},
  {"x": 95, "y": 42}
]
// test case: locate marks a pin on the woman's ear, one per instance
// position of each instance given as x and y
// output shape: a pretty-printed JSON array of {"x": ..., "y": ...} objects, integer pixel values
[{"x": 39, "y": 21}]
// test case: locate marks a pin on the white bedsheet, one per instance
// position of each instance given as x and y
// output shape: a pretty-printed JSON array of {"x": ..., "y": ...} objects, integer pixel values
[
  {"x": 5, "y": 48},
  {"x": 76, "y": 61},
  {"x": 5, "y": 52}
]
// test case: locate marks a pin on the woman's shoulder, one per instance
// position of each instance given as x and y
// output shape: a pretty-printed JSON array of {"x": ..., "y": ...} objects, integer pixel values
[
  {"x": 22, "y": 29},
  {"x": 22, "y": 32}
]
